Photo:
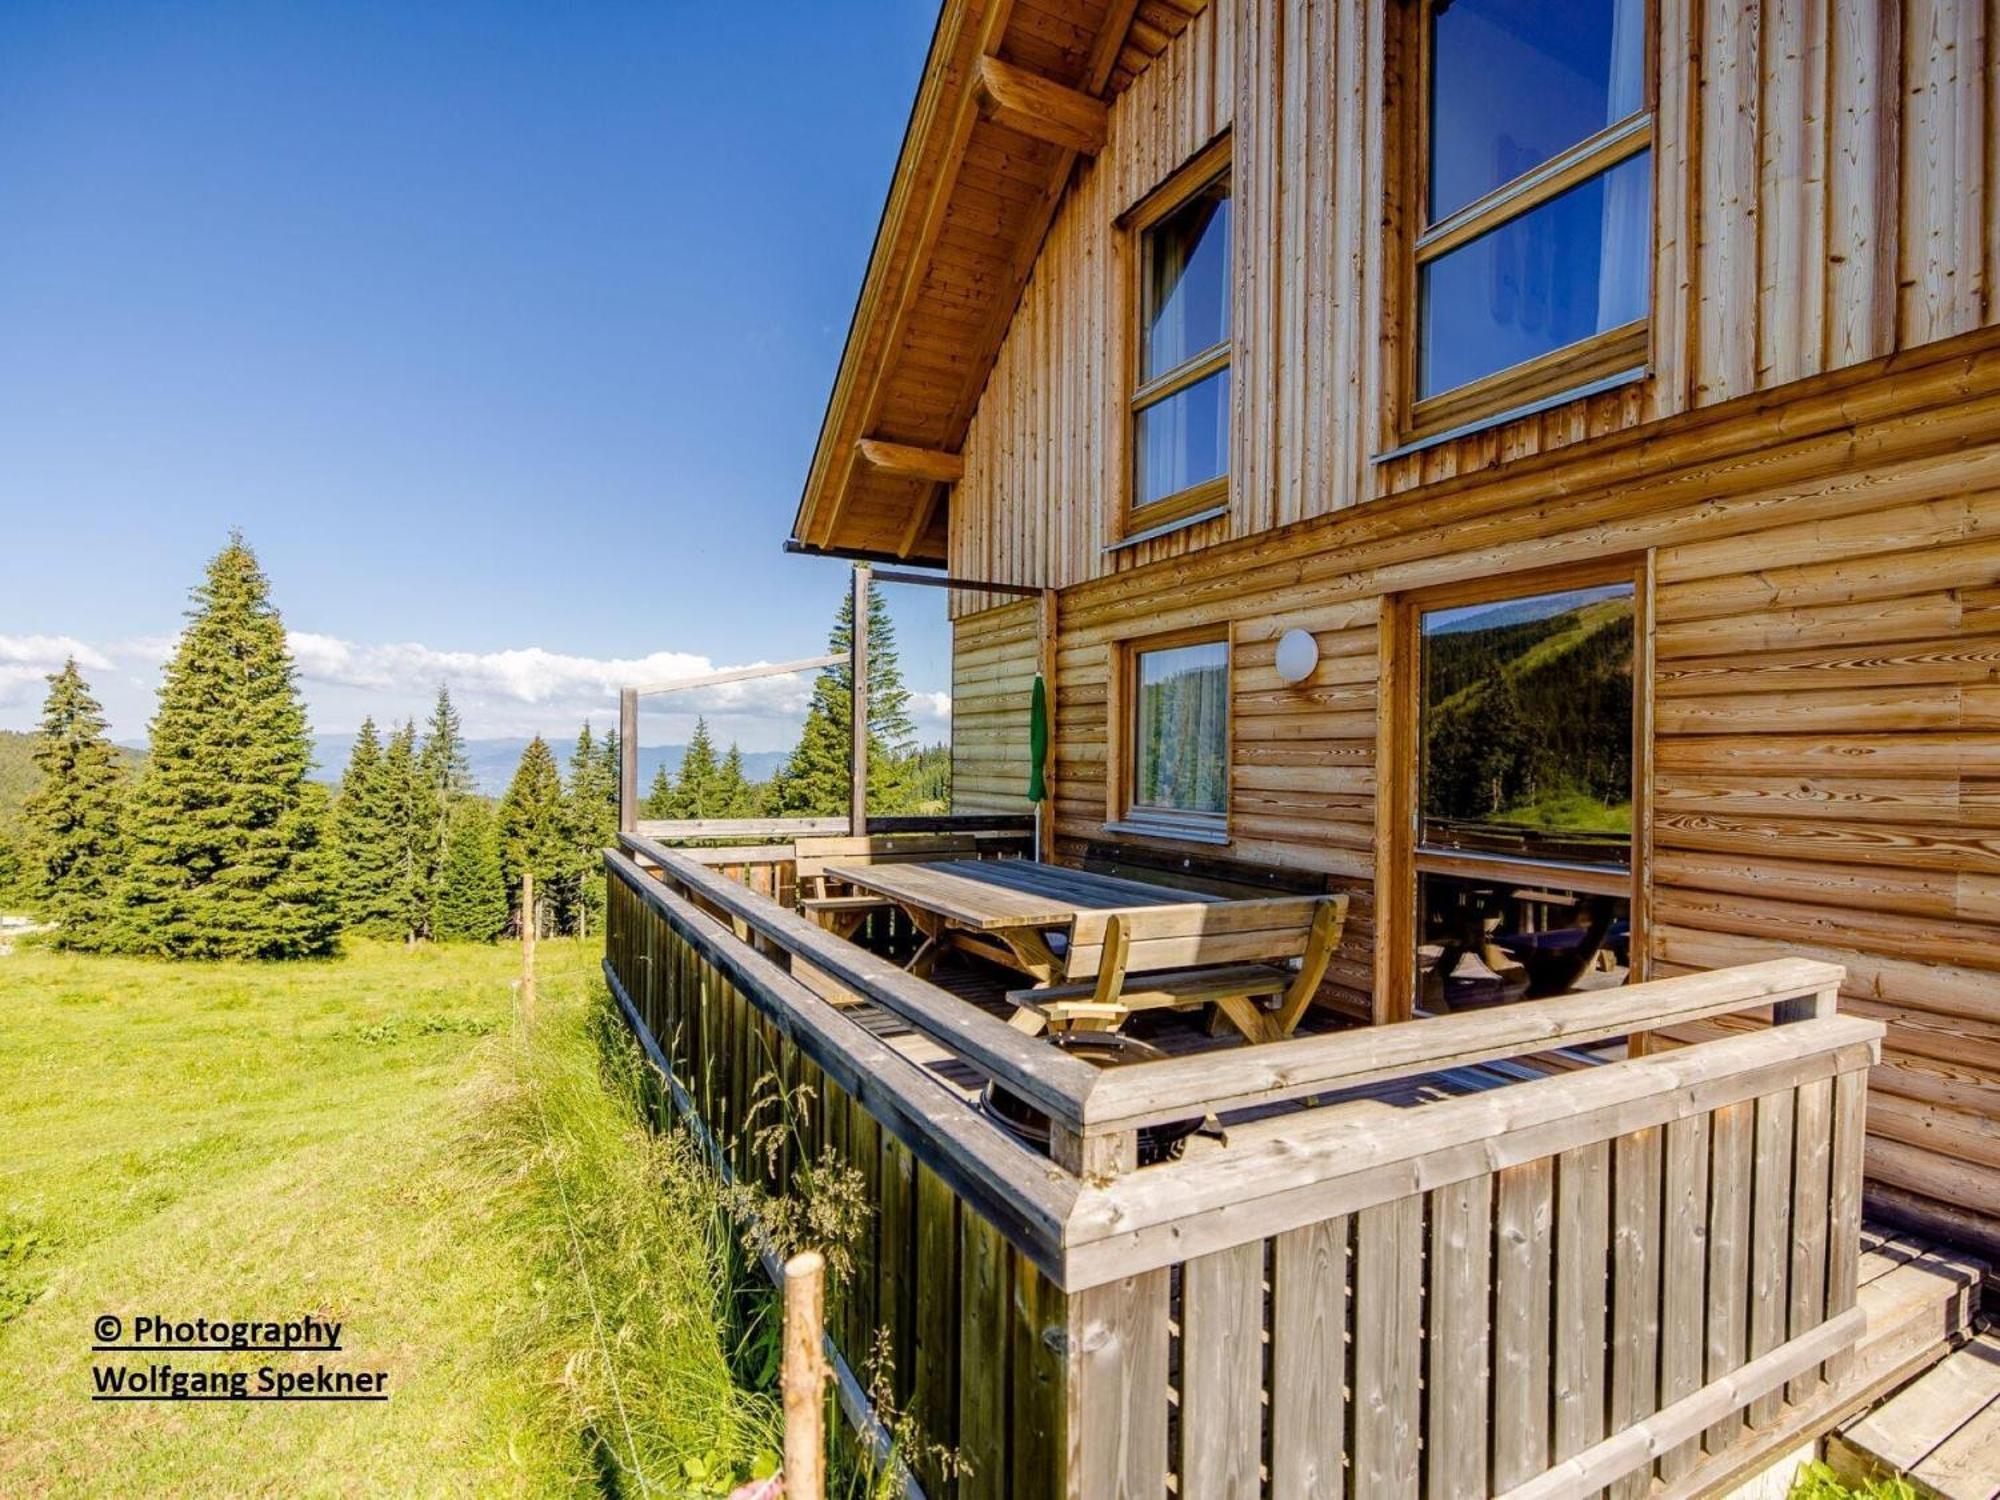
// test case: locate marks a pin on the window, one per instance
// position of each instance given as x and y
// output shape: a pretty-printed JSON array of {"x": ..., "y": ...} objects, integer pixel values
[
  {"x": 1534, "y": 254},
  {"x": 1177, "y": 720},
  {"x": 1525, "y": 785},
  {"x": 1180, "y": 399}
]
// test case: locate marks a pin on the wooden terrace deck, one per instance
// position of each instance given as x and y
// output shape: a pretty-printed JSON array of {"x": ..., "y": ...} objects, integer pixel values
[{"x": 1551, "y": 1270}]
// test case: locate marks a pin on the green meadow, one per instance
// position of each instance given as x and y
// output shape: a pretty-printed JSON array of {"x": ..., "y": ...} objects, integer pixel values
[{"x": 387, "y": 1139}]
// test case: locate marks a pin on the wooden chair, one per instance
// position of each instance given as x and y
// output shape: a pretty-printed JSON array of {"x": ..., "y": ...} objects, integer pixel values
[
  {"x": 842, "y": 911},
  {"x": 1236, "y": 955}
]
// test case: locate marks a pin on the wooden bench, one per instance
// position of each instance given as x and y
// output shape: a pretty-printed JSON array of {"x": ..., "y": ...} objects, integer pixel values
[
  {"x": 1235, "y": 955},
  {"x": 842, "y": 911}
]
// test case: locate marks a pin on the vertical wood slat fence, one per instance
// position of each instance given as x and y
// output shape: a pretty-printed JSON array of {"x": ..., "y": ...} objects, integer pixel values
[
  {"x": 931, "y": 1274},
  {"x": 1561, "y": 1287}
]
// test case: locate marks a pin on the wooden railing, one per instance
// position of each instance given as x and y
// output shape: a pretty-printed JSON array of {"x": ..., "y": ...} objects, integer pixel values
[{"x": 1554, "y": 1287}]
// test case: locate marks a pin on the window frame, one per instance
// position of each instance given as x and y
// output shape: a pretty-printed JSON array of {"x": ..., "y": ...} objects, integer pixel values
[
  {"x": 1401, "y": 858},
  {"x": 1212, "y": 164},
  {"x": 1547, "y": 377},
  {"x": 1122, "y": 813}
]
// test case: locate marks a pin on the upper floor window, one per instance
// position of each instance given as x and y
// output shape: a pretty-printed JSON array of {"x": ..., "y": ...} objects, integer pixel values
[
  {"x": 1533, "y": 260},
  {"x": 1180, "y": 397}
]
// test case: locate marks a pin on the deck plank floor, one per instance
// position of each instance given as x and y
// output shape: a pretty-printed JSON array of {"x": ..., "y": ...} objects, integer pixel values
[{"x": 1941, "y": 1431}]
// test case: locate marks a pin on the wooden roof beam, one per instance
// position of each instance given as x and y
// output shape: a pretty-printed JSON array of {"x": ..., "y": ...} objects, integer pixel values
[
  {"x": 904, "y": 461},
  {"x": 1041, "y": 108}
]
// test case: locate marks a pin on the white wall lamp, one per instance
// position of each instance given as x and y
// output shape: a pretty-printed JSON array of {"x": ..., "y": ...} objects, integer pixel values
[{"x": 1298, "y": 654}]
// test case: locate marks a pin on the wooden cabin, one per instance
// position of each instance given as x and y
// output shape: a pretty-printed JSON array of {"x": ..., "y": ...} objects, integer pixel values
[
  {"x": 1531, "y": 470},
  {"x": 1758, "y": 392}
]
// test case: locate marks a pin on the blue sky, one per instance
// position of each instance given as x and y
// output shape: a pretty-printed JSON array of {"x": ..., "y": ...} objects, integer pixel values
[{"x": 503, "y": 331}]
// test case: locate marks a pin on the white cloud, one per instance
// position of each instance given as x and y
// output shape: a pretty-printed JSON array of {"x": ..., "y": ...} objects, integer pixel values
[
  {"x": 515, "y": 691},
  {"x": 26, "y": 661},
  {"x": 47, "y": 653}
]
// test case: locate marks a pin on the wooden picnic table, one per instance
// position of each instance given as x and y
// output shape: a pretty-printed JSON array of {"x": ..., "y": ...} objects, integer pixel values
[{"x": 1002, "y": 909}]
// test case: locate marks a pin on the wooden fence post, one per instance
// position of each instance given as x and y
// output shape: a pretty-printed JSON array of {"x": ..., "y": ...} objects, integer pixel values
[
  {"x": 858, "y": 673},
  {"x": 528, "y": 942},
  {"x": 803, "y": 1380},
  {"x": 628, "y": 761}
]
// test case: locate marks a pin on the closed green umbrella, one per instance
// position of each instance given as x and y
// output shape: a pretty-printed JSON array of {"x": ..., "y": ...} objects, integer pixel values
[{"x": 1038, "y": 750}]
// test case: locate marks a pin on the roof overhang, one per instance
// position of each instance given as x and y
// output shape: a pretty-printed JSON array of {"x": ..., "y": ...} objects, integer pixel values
[{"x": 1011, "y": 96}]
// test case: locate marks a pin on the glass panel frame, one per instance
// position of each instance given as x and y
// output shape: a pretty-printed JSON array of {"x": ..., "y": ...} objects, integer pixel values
[
  {"x": 1163, "y": 364},
  {"x": 1414, "y": 858},
  {"x": 1183, "y": 786},
  {"x": 1614, "y": 350}
]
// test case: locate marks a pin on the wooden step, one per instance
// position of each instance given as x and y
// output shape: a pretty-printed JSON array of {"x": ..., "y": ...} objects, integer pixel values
[{"x": 1941, "y": 1431}]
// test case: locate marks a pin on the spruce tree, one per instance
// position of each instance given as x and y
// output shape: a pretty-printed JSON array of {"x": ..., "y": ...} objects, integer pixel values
[
  {"x": 694, "y": 787},
  {"x": 71, "y": 818},
  {"x": 404, "y": 797},
  {"x": 591, "y": 808},
  {"x": 368, "y": 842},
  {"x": 444, "y": 777},
  {"x": 659, "y": 799},
  {"x": 472, "y": 899},
  {"x": 734, "y": 796},
  {"x": 224, "y": 857},
  {"x": 816, "y": 778},
  {"x": 533, "y": 827}
]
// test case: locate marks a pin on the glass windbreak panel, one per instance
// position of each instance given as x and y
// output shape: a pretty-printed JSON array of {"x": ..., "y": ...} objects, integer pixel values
[
  {"x": 1527, "y": 727},
  {"x": 1187, "y": 282},
  {"x": 1181, "y": 729},
  {"x": 1571, "y": 267},
  {"x": 1516, "y": 82},
  {"x": 1486, "y": 942},
  {"x": 1183, "y": 439}
]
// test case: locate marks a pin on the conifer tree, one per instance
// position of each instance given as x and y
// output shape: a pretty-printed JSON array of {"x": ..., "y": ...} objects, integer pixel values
[
  {"x": 368, "y": 842},
  {"x": 659, "y": 799},
  {"x": 591, "y": 808},
  {"x": 694, "y": 787},
  {"x": 533, "y": 827},
  {"x": 472, "y": 900},
  {"x": 816, "y": 778},
  {"x": 444, "y": 777},
  {"x": 403, "y": 795},
  {"x": 71, "y": 818},
  {"x": 10, "y": 868},
  {"x": 734, "y": 796},
  {"x": 224, "y": 854}
]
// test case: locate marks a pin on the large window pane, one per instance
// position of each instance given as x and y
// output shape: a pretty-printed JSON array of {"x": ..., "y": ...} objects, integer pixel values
[
  {"x": 1527, "y": 726},
  {"x": 1568, "y": 268},
  {"x": 1183, "y": 439},
  {"x": 1180, "y": 729},
  {"x": 1516, "y": 82},
  {"x": 1187, "y": 282}
]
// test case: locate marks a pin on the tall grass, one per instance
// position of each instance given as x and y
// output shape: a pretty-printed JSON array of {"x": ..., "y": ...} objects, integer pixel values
[{"x": 629, "y": 1237}]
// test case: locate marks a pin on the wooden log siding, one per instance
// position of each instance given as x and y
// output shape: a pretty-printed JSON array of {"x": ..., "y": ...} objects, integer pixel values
[
  {"x": 992, "y": 675},
  {"x": 1824, "y": 697},
  {"x": 1514, "y": 1290}
]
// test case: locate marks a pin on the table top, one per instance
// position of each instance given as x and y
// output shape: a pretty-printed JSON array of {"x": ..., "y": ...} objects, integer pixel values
[{"x": 990, "y": 895}]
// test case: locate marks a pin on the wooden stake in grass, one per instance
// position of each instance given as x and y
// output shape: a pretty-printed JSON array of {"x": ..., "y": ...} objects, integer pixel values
[
  {"x": 803, "y": 1380},
  {"x": 528, "y": 942}
]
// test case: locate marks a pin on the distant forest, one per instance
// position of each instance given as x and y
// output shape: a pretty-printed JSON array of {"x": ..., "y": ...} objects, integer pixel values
[{"x": 1530, "y": 722}]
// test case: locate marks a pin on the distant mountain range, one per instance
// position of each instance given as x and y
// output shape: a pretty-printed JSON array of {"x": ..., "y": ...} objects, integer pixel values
[{"x": 493, "y": 761}]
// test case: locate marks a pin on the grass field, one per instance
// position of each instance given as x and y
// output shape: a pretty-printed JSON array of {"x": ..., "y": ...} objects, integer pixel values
[{"x": 381, "y": 1139}]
